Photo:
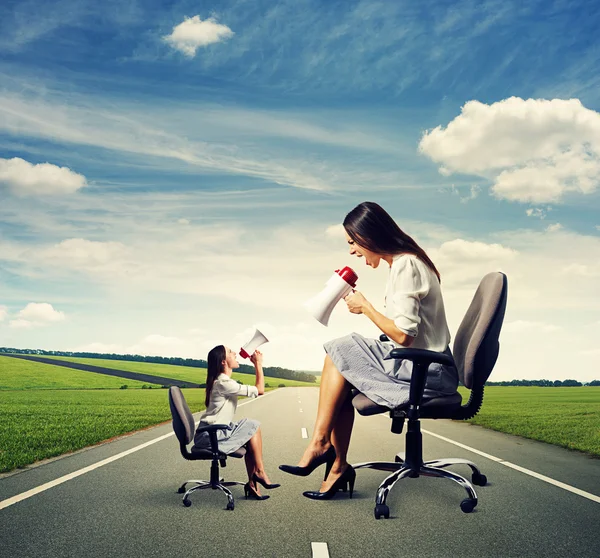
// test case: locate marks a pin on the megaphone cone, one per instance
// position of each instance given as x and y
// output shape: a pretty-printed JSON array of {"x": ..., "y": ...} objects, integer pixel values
[
  {"x": 257, "y": 340},
  {"x": 338, "y": 286}
]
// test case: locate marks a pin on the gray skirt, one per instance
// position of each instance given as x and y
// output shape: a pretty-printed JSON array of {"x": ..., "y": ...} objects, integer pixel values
[
  {"x": 365, "y": 363},
  {"x": 233, "y": 438}
]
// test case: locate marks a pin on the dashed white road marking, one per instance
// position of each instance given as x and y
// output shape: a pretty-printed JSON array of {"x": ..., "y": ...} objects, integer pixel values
[
  {"x": 304, "y": 433},
  {"x": 319, "y": 550}
]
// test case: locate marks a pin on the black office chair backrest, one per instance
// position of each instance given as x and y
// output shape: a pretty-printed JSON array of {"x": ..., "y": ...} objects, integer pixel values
[
  {"x": 476, "y": 343},
  {"x": 183, "y": 420}
]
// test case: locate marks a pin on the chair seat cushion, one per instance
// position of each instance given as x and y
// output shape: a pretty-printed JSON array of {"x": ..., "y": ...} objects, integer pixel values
[
  {"x": 436, "y": 407},
  {"x": 203, "y": 453}
]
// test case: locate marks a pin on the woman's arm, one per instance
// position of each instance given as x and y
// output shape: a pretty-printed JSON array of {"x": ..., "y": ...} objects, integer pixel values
[
  {"x": 358, "y": 304},
  {"x": 257, "y": 359}
]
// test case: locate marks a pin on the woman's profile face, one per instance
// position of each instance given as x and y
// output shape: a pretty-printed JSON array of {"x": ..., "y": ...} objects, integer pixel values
[
  {"x": 230, "y": 358},
  {"x": 371, "y": 258}
]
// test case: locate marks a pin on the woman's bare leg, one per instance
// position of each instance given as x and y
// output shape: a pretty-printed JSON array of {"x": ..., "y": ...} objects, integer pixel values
[
  {"x": 333, "y": 392},
  {"x": 254, "y": 459},
  {"x": 340, "y": 438}
]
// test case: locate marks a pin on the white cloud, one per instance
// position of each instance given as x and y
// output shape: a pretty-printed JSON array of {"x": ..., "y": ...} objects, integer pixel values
[
  {"x": 460, "y": 249},
  {"x": 523, "y": 326},
  {"x": 555, "y": 227},
  {"x": 539, "y": 212},
  {"x": 83, "y": 254},
  {"x": 24, "y": 178},
  {"x": 474, "y": 191},
  {"x": 36, "y": 314},
  {"x": 335, "y": 231},
  {"x": 583, "y": 270},
  {"x": 534, "y": 150},
  {"x": 194, "y": 33},
  {"x": 3, "y": 313}
]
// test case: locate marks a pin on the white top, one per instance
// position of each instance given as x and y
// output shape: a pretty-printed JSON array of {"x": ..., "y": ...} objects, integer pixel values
[
  {"x": 223, "y": 400},
  {"x": 413, "y": 299}
]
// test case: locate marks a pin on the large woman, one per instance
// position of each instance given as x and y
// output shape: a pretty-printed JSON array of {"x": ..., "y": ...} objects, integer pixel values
[
  {"x": 222, "y": 392},
  {"x": 414, "y": 316}
]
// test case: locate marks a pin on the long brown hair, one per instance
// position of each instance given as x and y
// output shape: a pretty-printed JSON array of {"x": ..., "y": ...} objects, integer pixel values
[
  {"x": 371, "y": 227},
  {"x": 215, "y": 359}
]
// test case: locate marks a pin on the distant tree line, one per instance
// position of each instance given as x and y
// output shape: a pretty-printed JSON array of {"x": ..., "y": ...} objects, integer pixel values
[
  {"x": 271, "y": 371},
  {"x": 544, "y": 383}
]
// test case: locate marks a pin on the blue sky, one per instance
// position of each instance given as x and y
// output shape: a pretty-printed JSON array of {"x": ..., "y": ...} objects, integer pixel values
[{"x": 174, "y": 173}]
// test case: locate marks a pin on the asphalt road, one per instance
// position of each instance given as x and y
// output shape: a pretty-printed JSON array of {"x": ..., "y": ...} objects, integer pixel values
[{"x": 130, "y": 508}]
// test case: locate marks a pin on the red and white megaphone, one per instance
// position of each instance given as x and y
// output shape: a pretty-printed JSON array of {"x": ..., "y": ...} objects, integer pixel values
[
  {"x": 339, "y": 285},
  {"x": 257, "y": 340}
]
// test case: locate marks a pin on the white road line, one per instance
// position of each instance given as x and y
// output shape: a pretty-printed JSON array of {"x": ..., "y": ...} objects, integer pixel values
[
  {"x": 65, "y": 478},
  {"x": 529, "y": 472},
  {"x": 319, "y": 550},
  {"x": 300, "y": 410},
  {"x": 43, "y": 487},
  {"x": 304, "y": 433}
]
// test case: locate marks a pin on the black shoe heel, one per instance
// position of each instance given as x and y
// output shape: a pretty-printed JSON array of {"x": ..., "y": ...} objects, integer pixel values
[
  {"x": 327, "y": 457},
  {"x": 249, "y": 492},
  {"x": 346, "y": 479},
  {"x": 257, "y": 479}
]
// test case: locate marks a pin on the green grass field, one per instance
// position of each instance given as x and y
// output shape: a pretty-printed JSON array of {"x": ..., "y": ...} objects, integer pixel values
[
  {"x": 563, "y": 416},
  {"x": 38, "y": 424},
  {"x": 186, "y": 373},
  {"x": 24, "y": 374}
]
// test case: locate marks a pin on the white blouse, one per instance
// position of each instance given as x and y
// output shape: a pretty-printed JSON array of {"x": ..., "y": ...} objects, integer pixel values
[
  {"x": 413, "y": 299},
  {"x": 223, "y": 400}
]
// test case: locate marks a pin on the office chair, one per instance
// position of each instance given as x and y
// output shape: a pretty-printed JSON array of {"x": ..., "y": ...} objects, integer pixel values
[
  {"x": 183, "y": 425},
  {"x": 475, "y": 352}
]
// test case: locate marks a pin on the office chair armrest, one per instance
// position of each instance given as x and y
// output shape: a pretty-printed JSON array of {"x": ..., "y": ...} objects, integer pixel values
[
  {"x": 421, "y": 359},
  {"x": 212, "y": 427},
  {"x": 421, "y": 356},
  {"x": 212, "y": 434}
]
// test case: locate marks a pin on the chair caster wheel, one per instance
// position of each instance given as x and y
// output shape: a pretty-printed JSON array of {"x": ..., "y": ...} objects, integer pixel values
[
  {"x": 468, "y": 505},
  {"x": 382, "y": 510},
  {"x": 230, "y": 506},
  {"x": 187, "y": 502},
  {"x": 181, "y": 489},
  {"x": 478, "y": 479}
]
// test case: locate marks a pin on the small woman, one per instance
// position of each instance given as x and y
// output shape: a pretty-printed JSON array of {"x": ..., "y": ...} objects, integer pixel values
[
  {"x": 221, "y": 402},
  {"x": 414, "y": 316}
]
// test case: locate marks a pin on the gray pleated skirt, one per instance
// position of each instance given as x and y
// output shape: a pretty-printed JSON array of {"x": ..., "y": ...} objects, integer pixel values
[
  {"x": 233, "y": 438},
  {"x": 365, "y": 363}
]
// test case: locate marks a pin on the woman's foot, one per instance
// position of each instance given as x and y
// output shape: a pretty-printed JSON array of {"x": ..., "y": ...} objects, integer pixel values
[
  {"x": 314, "y": 451},
  {"x": 312, "y": 458},
  {"x": 329, "y": 488},
  {"x": 261, "y": 477},
  {"x": 251, "y": 491},
  {"x": 337, "y": 470}
]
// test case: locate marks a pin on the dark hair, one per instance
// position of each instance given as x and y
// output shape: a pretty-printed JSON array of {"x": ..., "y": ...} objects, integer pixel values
[
  {"x": 371, "y": 227},
  {"x": 215, "y": 359}
]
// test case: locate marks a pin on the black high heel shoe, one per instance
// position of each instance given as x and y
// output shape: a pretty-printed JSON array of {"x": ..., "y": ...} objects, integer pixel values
[
  {"x": 250, "y": 492},
  {"x": 327, "y": 457},
  {"x": 346, "y": 479},
  {"x": 257, "y": 479}
]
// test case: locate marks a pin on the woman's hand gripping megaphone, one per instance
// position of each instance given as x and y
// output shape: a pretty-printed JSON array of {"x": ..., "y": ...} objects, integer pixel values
[{"x": 356, "y": 302}]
